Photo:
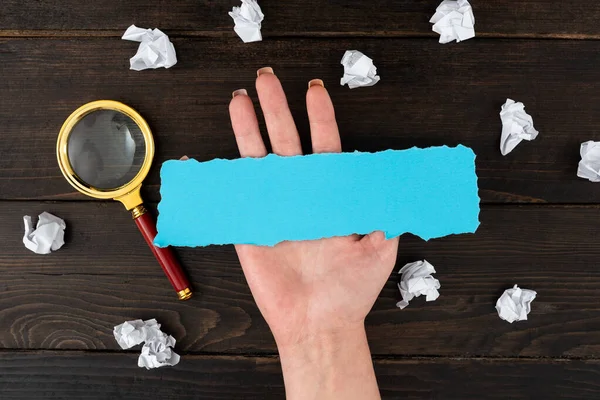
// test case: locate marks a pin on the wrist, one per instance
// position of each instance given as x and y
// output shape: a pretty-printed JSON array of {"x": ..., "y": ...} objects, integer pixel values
[
  {"x": 329, "y": 365},
  {"x": 321, "y": 345}
]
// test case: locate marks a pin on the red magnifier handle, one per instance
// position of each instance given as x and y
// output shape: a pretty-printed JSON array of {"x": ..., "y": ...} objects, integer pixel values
[{"x": 165, "y": 256}]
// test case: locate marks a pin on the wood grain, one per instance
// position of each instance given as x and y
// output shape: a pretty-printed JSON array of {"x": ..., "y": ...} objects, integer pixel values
[
  {"x": 499, "y": 18},
  {"x": 105, "y": 275},
  {"x": 429, "y": 95},
  {"x": 57, "y": 311},
  {"x": 87, "y": 376}
]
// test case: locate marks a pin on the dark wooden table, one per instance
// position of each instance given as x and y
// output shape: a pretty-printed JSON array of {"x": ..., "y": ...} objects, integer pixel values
[{"x": 540, "y": 223}]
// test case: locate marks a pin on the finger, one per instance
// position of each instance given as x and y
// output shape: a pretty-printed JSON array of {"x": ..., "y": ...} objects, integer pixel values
[
  {"x": 377, "y": 240},
  {"x": 245, "y": 125},
  {"x": 324, "y": 131},
  {"x": 374, "y": 238},
  {"x": 280, "y": 123}
]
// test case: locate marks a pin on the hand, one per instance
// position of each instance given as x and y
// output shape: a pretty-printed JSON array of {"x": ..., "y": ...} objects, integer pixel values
[{"x": 315, "y": 294}]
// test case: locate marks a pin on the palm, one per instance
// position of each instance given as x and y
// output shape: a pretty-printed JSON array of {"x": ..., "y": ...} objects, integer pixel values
[{"x": 303, "y": 286}]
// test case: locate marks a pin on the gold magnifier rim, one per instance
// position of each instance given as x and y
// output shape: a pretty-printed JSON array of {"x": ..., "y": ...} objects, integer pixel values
[{"x": 63, "y": 157}]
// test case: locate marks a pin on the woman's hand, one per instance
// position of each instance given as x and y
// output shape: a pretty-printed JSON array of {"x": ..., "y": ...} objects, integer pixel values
[{"x": 315, "y": 294}]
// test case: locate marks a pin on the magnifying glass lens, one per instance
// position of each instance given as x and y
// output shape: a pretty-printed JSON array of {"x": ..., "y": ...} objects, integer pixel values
[{"x": 106, "y": 149}]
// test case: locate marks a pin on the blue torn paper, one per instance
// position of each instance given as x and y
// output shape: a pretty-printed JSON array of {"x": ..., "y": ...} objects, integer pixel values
[{"x": 428, "y": 192}]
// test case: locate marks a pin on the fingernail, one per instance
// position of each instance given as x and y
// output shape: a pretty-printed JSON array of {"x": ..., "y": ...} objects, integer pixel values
[
  {"x": 238, "y": 92},
  {"x": 264, "y": 70},
  {"x": 315, "y": 82}
]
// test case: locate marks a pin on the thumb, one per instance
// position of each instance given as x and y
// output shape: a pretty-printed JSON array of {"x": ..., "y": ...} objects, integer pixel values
[{"x": 385, "y": 247}]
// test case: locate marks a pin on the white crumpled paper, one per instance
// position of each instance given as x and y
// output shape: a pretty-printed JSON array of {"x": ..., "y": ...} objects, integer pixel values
[
  {"x": 49, "y": 233},
  {"x": 358, "y": 70},
  {"x": 157, "y": 349},
  {"x": 517, "y": 125},
  {"x": 247, "y": 19},
  {"x": 589, "y": 166},
  {"x": 454, "y": 20},
  {"x": 515, "y": 304},
  {"x": 158, "y": 353},
  {"x": 416, "y": 281},
  {"x": 155, "y": 51}
]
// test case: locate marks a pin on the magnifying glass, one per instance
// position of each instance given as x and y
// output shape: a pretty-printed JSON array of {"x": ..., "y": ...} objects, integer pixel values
[{"x": 105, "y": 150}]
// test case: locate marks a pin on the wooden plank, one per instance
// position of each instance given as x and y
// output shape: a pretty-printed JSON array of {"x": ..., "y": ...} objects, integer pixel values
[
  {"x": 78, "y": 375},
  {"x": 501, "y": 18},
  {"x": 429, "y": 95},
  {"x": 105, "y": 275}
]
